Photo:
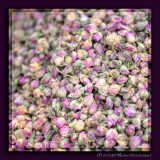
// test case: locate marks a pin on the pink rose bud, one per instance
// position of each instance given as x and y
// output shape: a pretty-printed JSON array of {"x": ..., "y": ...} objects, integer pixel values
[
  {"x": 128, "y": 19},
  {"x": 111, "y": 134},
  {"x": 65, "y": 131},
  {"x": 38, "y": 146},
  {"x": 74, "y": 137},
  {"x": 21, "y": 143},
  {"x": 100, "y": 131},
  {"x": 131, "y": 37},
  {"x": 82, "y": 139},
  {"x": 111, "y": 26},
  {"x": 70, "y": 87},
  {"x": 97, "y": 36},
  {"x": 34, "y": 83},
  {"x": 88, "y": 100},
  {"x": 89, "y": 62},
  {"x": 114, "y": 89},
  {"x": 27, "y": 132},
  {"x": 13, "y": 139},
  {"x": 116, "y": 19},
  {"x": 54, "y": 72},
  {"x": 96, "y": 115},
  {"x": 46, "y": 127},
  {"x": 130, "y": 130},
  {"x": 136, "y": 58},
  {"x": 111, "y": 120},
  {"x": 130, "y": 111},
  {"x": 109, "y": 101},
  {"x": 65, "y": 103},
  {"x": 87, "y": 44},
  {"x": 99, "y": 48},
  {"x": 135, "y": 142},
  {"x": 64, "y": 144},
  {"x": 145, "y": 71},
  {"x": 62, "y": 92},
  {"x": 60, "y": 122},
  {"x": 93, "y": 108},
  {"x": 88, "y": 87},
  {"x": 53, "y": 144},
  {"x": 19, "y": 100},
  {"x": 37, "y": 125},
  {"x": 74, "y": 56},
  {"x": 124, "y": 69},
  {"x": 76, "y": 115},
  {"x": 109, "y": 143},
  {"x": 121, "y": 79}
]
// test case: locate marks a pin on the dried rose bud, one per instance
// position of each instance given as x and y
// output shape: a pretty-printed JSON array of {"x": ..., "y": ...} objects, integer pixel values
[
  {"x": 62, "y": 92},
  {"x": 74, "y": 80},
  {"x": 148, "y": 42},
  {"x": 83, "y": 116},
  {"x": 76, "y": 115},
  {"x": 116, "y": 19},
  {"x": 22, "y": 124},
  {"x": 13, "y": 139},
  {"x": 78, "y": 93},
  {"x": 145, "y": 147},
  {"x": 38, "y": 146},
  {"x": 146, "y": 123},
  {"x": 100, "y": 141},
  {"x": 109, "y": 101},
  {"x": 37, "y": 93},
  {"x": 114, "y": 89},
  {"x": 37, "y": 125},
  {"x": 21, "y": 143},
  {"x": 65, "y": 103},
  {"x": 111, "y": 120},
  {"x": 93, "y": 108},
  {"x": 46, "y": 127},
  {"x": 60, "y": 122},
  {"x": 74, "y": 137},
  {"x": 27, "y": 131},
  {"x": 99, "y": 48},
  {"x": 65, "y": 131},
  {"x": 19, "y": 100},
  {"x": 111, "y": 26},
  {"x": 101, "y": 130},
  {"x": 75, "y": 148},
  {"x": 96, "y": 115},
  {"x": 34, "y": 67},
  {"x": 109, "y": 143},
  {"x": 135, "y": 142},
  {"x": 130, "y": 111},
  {"x": 130, "y": 48},
  {"x": 54, "y": 72},
  {"x": 20, "y": 110},
  {"x": 18, "y": 61},
  {"x": 79, "y": 125},
  {"x": 34, "y": 83},
  {"x": 97, "y": 36},
  {"x": 53, "y": 144},
  {"x": 122, "y": 140},
  {"x": 113, "y": 39},
  {"x": 145, "y": 71},
  {"x": 128, "y": 19},
  {"x": 70, "y": 87},
  {"x": 82, "y": 139},
  {"x": 131, "y": 37},
  {"x": 121, "y": 126},
  {"x": 48, "y": 135},
  {"x": 91, "y": 136},
  {"x": 64, "y": 143},
  {"x": 141, "y": 25},
  {"x": 124, "y": 69},
  {"x": 58, "y": 60},
  {"x": 45, "y": 144},
  {"x": 88, "y": 100},
  {"x": 74, "y": 56},
  {"x": 130, "y": 130}
]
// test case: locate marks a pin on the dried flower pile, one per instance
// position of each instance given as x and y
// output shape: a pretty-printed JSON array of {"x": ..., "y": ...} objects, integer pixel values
[{"x": 80, "y": 80}]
